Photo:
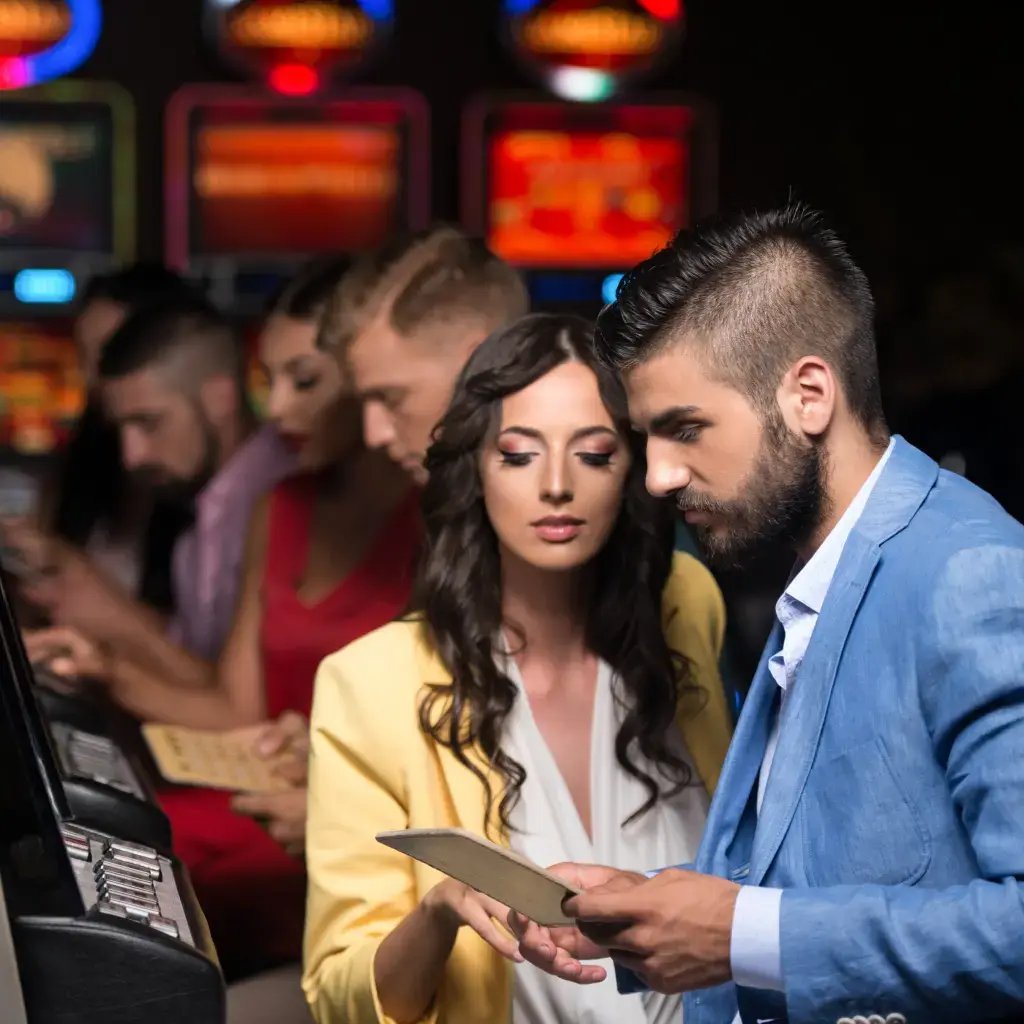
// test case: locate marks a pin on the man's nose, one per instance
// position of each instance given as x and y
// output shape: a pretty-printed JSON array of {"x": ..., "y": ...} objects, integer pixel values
[
  {"x": 666, "y": 474},
  {"x": 134, "y": 450},
  {"x": 378, "y": 428}
]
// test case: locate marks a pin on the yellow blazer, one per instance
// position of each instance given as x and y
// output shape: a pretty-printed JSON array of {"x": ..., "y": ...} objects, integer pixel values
[{"x": 372, "y": 768}]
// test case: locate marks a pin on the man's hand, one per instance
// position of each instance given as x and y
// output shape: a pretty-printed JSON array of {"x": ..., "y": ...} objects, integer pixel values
[
  {"x": 66, "y": 586},
  {"x": 560, "y": 951},
  {"x": 673, "y": 930},
  {"x": 286, "y": 742},
  {"x": 69, "y": 654},
  {"x": 283, "y": 815}
]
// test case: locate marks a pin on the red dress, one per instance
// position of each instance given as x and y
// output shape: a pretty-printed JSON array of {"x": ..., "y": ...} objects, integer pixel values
[{"x": 252, "y": 892}]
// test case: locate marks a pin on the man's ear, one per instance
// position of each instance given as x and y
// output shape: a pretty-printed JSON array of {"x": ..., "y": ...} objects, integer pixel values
[
  {"x": 807, "y": 396},
  {"x": 219, "y": 398}
]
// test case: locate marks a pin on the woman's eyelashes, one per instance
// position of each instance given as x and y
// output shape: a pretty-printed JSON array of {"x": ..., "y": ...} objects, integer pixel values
[
  {"x": 306, "y": 383},
  {"x": 515, "y": 458},
  {"x": 597, "y": 460}
]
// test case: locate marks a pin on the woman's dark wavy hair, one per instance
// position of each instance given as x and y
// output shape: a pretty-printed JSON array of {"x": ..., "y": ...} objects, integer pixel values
[{"x": 459, "y": 591}]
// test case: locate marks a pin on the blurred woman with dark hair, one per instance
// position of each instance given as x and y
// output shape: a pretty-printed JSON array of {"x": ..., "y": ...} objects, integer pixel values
[{"x": 558, "y": 690}]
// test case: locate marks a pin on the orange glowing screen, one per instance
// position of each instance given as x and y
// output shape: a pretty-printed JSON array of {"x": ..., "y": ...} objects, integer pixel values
[
  {"x": 40, "y": 390},
  {"x": 295, "y": 188},
  {"x": 591, "y": 198}
]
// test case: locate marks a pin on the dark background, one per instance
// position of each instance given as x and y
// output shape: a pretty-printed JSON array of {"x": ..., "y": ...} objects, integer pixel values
[{"x": 900, "y": 120}]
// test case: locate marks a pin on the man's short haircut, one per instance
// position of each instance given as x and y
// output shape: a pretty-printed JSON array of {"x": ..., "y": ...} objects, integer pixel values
[
  {"x": 184, "y": 335},
  {"x": 305, "y": 296},
  {"x": 137, "y": 285},
  {"x": 751, "y": 295},
  {"x": 435, "y": 277}
]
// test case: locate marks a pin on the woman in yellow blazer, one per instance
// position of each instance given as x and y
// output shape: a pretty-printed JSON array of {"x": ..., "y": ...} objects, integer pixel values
[{"x": 560, "y": 688}]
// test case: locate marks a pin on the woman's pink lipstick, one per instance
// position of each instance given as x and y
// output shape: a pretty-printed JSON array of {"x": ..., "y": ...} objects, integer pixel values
[{"x": 557, "y": 529}]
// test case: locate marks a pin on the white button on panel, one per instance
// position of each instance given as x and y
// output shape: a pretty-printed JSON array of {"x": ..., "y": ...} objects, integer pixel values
[
  {"x": 165, "y": 925},
  {"x": 133, "y": 849},
  {"x": 895, "y": 1018},
  {"x": 876, "y": 1018},
  {"x": 845, "y": 1020}
]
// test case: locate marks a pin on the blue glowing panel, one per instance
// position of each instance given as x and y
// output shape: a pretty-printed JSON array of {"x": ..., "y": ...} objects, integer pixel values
[
  {"x": 609, "y": 286},
  {"x": 44, "y": 286}
]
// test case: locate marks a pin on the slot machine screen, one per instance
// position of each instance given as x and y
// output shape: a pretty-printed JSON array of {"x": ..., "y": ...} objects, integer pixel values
[
  {"x": 559, "y": 198},
  {"x": 55, "y": 174},
  {"x": 576, "y": 194},
  {"x": 306, "y": 188},
  {"x": 41, "y": 393}
]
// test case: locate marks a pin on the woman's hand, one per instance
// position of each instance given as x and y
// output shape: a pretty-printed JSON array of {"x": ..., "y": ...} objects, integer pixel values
[
  {"x": 285, "y": 741},
  {"x": 283, "y": 815},
  {"x": 456, "y": 904}
]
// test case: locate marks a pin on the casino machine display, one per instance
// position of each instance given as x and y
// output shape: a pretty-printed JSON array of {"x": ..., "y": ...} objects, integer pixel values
[
  {"x": 67, "y": 209},
  {"x": 576, "y": 188}
]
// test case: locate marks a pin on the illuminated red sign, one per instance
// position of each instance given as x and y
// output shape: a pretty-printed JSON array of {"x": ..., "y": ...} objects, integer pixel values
[
  {"x": 586, "y": 49},
  {"x": 29, "y": 26},
  {"x": 561, "y": 198},
  {"x": 295, "y": 187}
]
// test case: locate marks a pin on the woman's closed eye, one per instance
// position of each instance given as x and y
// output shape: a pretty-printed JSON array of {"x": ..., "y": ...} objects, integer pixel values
[
  {"x": 515, "y": 458},
  {"x": 306, "y": 383},
  {"x": 597, "y": 459}
]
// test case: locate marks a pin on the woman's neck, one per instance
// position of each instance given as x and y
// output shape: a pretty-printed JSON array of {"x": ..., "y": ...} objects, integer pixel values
[{"x": 547, "y": 607}]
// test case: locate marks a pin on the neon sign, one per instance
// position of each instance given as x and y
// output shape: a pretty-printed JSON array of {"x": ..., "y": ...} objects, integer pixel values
[
  {"x": 43, "y": 39},
  {"x": 587, "y": 49},
  {"x": 295, "y": 45}
]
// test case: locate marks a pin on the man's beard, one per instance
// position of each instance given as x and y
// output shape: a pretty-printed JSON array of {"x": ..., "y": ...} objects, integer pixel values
[
  {"x": 183, "y": 490},
  {"x": 782, "y": 500}
]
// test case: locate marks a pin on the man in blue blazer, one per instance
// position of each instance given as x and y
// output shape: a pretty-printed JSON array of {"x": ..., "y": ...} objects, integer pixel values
[{"x": 864, "y": 853}]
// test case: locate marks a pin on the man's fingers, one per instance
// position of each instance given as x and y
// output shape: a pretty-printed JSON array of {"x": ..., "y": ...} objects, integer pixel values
[
  {"x": 604, "y": 904},
  {"x": 610, "y": 934}
]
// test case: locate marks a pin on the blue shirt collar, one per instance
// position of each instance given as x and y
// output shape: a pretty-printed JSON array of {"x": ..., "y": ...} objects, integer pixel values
[{"x": 810, "y": 583}]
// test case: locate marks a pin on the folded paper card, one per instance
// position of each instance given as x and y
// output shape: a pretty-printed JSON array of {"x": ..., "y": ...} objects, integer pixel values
[
  {"x": 488, "y": 868},
  {"x": 220, "y": 760}
]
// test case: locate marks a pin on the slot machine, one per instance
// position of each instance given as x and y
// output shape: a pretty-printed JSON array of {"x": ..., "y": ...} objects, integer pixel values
[
  {"x": 577, "y": 184},
  {"x": 100, "y": 925},
  {"x": 576, "y": 194},
  {"x": 257, "y": 183},
  {"x": 67, "y": 209}
]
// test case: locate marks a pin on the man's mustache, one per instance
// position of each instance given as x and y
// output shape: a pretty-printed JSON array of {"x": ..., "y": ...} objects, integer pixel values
[{"x": 694, "y": 501}]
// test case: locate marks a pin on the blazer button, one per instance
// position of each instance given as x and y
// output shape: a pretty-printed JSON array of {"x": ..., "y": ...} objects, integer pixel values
[
  {"x": 845, "y": 1020},
  {"x": 895, "y": 1018},
  {"x": 876, "y": 1018},
  {"x": 860, "y": 1019}
]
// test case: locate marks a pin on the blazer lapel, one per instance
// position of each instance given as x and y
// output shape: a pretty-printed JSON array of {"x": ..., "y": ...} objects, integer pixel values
[
  {"x": 462, "y": 790},
  {"x": 740, "y": 771},
  {"x": 803, "y": 714}
]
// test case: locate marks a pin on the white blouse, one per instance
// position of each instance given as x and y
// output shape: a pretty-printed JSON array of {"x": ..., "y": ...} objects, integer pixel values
[{"x": 548, "y": 829}]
